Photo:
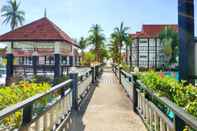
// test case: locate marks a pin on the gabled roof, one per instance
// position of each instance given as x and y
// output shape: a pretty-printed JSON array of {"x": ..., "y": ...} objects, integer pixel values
[
  {"x": 152, "y": 31},
  {"x": 39, "y": 30}
]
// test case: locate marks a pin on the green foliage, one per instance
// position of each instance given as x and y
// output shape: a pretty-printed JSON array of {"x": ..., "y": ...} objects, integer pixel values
[
  {"x": 61, "y": 79},
  {"x": 169, "y": 39},
  {"x": 41, "y": 79},
  {"x": 89, "y": 57},
  {"x": 82, "y": 43},
  {"x": 96, "y": 38},
  {"x": 125, "y": 67},
  {"x": 119, "y": 37},
  {"x": 183, "y": 96},
  {"x": 12, "y": 14},
  {"x": 16, "y": 93}
]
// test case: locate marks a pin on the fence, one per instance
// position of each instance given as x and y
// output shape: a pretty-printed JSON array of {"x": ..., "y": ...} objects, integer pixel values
[
  {"x": 57, "y": 105},
  {"x": 158, "y": 113}
]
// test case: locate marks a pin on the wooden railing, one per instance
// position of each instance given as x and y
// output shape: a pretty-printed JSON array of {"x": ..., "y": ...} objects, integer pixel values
[
  {"x": 57, "y": 105},
  {"x": 158, "y": 113}
]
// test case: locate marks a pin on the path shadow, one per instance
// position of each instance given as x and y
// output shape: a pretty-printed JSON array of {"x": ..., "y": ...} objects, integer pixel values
[{"x": 77, "y": 116}]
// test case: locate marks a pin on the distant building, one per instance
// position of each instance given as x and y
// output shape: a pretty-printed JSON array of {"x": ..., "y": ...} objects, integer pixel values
[
  {"x": 147, "y": 48},
  {"x": 51, "y": 47}
]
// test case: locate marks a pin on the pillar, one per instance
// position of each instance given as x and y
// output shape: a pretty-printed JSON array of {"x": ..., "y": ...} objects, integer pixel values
[
  {"x": 148, "y": 54},
  {"x": 138, "y": 51},
  {"x": 186, "y": 40},
  {"x": 57, "y": 63},
  {"x": 10, "y": 63},
  {"x": 35, "y": 62},
  {"x": 57, "y": 66},
  {"x": 155, "y": 53},
  {"x": 71, "y": 60}
]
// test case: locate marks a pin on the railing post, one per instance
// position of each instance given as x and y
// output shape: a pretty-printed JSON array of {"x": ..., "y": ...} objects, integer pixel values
[
  {"x": 96, "y": 72},
  {"x": 178, "y": 123},
  {"x": 135, "y": 95},
  {"x": 120, "y": 72},
  {"x": 27, "y": 114},
  {"x": 93, "y": 74},
  {"x": 74, "y": 77}
]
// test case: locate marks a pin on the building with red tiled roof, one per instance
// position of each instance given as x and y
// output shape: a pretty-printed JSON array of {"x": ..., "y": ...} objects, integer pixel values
[
  {"x": 153, "y": 31},
  {"x": 39, "y": 30},
  {"x": 147, "y": 48},
  {"x": 41, "y": 38}
]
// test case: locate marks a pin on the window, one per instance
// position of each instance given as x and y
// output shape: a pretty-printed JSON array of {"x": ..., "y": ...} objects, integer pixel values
[
  {"x": 143, "y": 41},
  {"x": 143, "y": 56}
]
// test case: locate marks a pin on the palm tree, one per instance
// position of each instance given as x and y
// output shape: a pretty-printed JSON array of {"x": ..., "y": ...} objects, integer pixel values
[
  {"x": 97, "y": 39},
  {"x": 116, "y": 54},
  {"x": 128, "y": 43},
  {"x": 169, "y": 39},
  {"x": 82, "y": 45},
  {"x": 14, "y": 17},
  {"x": 12, "y": 14},
  {"x": 121, "y": 34}
]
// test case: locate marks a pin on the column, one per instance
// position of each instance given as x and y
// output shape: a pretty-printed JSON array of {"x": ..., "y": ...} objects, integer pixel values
[
  {"x": 10, "y": 63},
  {"x": 71, "y": 60},
  {"x": 138, "y": 51},
  {"x": 57, "y": 63},
  {"x": 35, "y": 62},
  {"x": 186, "y": 40},
  {"x": 155, "y": 53},
  {"x": 148, "y": 53}
]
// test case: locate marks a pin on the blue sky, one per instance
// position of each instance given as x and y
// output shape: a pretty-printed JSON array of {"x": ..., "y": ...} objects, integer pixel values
[{"x": 76, "y": 16}]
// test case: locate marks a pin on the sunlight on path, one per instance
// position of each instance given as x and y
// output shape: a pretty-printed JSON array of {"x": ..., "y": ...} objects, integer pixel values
[{"x": 110, "y": 109}]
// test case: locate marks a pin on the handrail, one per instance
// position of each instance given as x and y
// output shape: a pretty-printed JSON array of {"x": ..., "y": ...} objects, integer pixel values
[
  {"x": 13, "y": 108},
  {"x": 186, "y": 117},
  {"x": 59, "y": 107},
  {"x": 179, "y": 112}
]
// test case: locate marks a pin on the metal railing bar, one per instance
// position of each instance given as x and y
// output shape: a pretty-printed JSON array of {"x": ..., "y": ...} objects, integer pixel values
[
  {"x": 188, "y": 118},
  {"x": 13, "y": 108}
]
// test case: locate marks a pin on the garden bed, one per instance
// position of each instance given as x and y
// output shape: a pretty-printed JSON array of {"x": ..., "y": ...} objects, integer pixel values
[{"x": 181, "y": 94}]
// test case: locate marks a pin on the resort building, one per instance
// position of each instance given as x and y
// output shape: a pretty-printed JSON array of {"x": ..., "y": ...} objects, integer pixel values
[
  {"x": 41, "y": 44},
  {"x": 146, "y": 49}
]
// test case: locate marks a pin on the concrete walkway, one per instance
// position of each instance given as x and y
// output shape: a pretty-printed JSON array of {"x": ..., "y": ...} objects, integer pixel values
[{"x": 109, "y": 109}]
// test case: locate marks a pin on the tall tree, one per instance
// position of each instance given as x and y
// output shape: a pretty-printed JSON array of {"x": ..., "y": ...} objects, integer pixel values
[
  {"x": 122, "y": 32},
  {"x": 128, "y": 43},
  {"x": 115, "y": 53},
  {"x": 12, "y": 14},
  {"x": 96, "y": 38},
  {"x": 15, "y": 17},
  {"x": 82, "y": 45},
  {"x": 169, "y": 39}
]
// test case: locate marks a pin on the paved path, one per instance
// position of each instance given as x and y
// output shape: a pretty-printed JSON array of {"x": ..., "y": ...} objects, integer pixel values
[{"x": 109, "y": 109}]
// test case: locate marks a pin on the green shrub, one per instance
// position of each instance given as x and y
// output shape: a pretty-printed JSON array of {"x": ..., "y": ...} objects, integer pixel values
[
  {"x": 16, "y": 93},
  {"x": 126, "y": 67},
  {"x": 41, "y": 79},
  {"x": 183, "y": 96},
  {"x": 61, "y": 79}
]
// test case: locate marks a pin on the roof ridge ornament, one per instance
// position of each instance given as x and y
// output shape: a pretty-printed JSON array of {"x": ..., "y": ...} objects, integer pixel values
[{"x": 45, "y": 12}]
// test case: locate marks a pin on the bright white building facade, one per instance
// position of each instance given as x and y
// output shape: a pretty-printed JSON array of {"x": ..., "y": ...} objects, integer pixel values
[{"x": 146, "y": 50}]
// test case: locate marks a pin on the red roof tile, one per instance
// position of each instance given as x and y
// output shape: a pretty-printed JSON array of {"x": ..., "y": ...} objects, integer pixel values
[
  {"x": 153, "y": 31},
  {"x": 39, "y": 30}
]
